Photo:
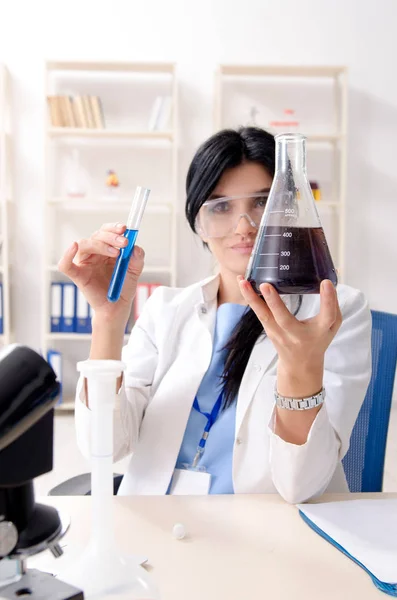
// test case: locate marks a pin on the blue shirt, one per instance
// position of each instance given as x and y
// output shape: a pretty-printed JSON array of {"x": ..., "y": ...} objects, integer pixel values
[{"x": 218, "y": 453}]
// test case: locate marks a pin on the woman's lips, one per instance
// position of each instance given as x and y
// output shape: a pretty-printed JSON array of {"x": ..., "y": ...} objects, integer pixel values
[{"x": 243, "y": 248}]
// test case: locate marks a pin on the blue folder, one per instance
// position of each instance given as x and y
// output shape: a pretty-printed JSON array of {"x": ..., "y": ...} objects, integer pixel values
[
  {"x": 68, "y": 319},
  {"x": 83, "y": 314},
  {"x": 388, "y": 537},
  {"x": 56, "y": 306}
]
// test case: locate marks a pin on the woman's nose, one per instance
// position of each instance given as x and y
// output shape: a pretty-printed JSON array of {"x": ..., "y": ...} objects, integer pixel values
[{"x": 245, "y": 226}]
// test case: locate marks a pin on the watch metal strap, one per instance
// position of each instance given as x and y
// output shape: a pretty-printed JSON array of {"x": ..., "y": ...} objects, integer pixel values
[{"x": 300, "y": 403}]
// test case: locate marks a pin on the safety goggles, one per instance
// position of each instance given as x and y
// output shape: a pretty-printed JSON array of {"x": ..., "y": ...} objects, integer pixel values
[{"x": 221, "y": 217}]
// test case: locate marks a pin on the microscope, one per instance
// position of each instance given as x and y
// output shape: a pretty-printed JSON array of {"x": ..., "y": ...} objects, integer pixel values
[{"x": 28, "y": 394}]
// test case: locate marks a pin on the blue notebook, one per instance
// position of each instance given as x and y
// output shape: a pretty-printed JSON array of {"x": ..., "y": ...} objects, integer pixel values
[{"x": 365, "y": 531}]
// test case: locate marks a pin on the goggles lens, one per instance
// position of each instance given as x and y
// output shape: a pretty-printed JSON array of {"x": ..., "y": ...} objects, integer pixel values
[{"x": 220, "y": 217}]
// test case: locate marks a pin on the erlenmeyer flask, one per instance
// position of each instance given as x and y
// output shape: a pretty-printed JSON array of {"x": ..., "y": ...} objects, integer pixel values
[{"x": 290, "y": 250}]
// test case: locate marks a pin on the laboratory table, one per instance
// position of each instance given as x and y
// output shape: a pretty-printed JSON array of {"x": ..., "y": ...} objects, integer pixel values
[{"x": 237, "y": 547}]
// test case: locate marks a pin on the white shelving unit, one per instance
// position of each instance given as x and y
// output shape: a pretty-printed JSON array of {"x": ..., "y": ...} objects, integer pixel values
[
  {"x": 124, "y": 138},
  {"x": 313, "y": 87},
  {"x": 90, "y": 205},
  {"x": 5, "y": 201},
  {"x": 109, "y": 133}
]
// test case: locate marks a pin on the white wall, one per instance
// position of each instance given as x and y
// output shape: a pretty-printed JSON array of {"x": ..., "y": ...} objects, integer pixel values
[{"x": 198, "y": 36}]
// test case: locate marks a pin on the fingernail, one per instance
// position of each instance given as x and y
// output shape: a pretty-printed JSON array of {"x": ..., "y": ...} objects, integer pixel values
[
  {"x": 120, "y": 239},
  {"x": 119, "y": 225},
  {"x": 244, "y": 284},
  {"x": 71, "y": 247},
  {"x": 327, "y": 286},
  {"x": 138, "y": 252},
  {"x": 113, "y": 251},
  {"x": 267, "y": 291}
]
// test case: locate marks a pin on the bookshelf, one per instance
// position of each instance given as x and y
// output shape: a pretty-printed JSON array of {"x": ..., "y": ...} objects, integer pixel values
[
  {"x": 139, "y": 153},
  {"x": 5, "y": 203},
  {"x": 108, "y": 66},
  {"x": 82, "y": 132},
  {"x": 95, "y": 205},
  {"x": 316, "y": 99}
]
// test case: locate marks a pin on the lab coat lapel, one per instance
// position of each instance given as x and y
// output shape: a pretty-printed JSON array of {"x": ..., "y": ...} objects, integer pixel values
[
  {"x": 263, "y": 357},
  {"x": 159, "y": 445}
]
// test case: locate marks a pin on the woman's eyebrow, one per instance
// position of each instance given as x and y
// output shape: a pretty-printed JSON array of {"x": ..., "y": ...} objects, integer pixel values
[
  {"x": 219, "y": 196},
  {"x": 266, "y": 189}
]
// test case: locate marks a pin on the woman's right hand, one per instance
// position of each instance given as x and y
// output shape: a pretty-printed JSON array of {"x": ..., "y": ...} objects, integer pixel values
[{"x": 89, "y": 263}]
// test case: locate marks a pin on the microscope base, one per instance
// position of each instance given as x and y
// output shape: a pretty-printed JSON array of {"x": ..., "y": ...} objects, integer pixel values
[{"x": 40, "y": 586}]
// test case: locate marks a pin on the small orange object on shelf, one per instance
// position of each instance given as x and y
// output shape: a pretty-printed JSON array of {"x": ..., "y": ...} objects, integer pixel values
[
  {"x": 315, "y": 190},
  {"x": 112, "y": 180}
]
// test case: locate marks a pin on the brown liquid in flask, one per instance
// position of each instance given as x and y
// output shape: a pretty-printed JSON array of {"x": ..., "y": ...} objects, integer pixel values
[
  {"x": 293, "y": 260},
  {"x": 291, "y": 251}
]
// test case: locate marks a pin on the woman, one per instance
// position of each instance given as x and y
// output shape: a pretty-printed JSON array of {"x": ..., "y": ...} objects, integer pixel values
[{"x": 202, "y": 405}]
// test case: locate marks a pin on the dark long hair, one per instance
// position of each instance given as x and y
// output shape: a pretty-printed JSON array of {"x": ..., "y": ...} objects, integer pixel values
[{"x": 225, "y": 150}]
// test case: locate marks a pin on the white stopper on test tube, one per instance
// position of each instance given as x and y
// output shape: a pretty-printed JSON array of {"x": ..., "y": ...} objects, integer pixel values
[
  {"x": 137, "y": 207},
  {"x": 103, "y": 569}
]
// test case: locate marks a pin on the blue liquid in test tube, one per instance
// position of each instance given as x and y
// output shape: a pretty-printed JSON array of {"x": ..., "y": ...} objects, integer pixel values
[{"x": 131, "y": 233}]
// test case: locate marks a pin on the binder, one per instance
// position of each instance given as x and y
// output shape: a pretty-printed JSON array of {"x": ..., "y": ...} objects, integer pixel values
[
  {"x": 141, "y": 296},
  {"x": 83, "y": 317},
  {"x": 97, "y": 111},
  {"x": 1, "y": 309},
  {"x": 56, "y": 307},
  {"x": 363, "y": 530},
  {"x": 54, "y": 359},
  {"x": 90, "y": 315},
  {"x": 68, "y": 308}
]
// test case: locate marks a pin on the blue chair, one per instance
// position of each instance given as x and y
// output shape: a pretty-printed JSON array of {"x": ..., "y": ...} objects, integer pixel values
[{"x": 364, "y": 461}]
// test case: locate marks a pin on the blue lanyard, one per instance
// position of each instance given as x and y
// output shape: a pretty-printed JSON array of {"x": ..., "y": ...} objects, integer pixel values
[{"x": 211, "y": 418}]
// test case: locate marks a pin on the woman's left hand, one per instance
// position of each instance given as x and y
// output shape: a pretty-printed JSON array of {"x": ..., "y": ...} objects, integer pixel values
[{"x": 301, "y": 345}]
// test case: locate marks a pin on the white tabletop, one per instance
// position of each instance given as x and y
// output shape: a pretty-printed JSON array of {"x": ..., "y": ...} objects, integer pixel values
[{"x": 238, "y": 547}]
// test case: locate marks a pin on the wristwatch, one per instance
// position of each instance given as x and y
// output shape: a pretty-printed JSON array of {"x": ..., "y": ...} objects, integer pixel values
[{"x": 300, "y": 403}]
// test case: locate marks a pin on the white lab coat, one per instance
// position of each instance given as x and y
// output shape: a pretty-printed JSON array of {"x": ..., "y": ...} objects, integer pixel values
[{"x": 167, "y": 354}]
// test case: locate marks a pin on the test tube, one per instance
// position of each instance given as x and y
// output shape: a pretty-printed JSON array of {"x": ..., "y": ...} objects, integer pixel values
[{"x": 133, "y": 222}]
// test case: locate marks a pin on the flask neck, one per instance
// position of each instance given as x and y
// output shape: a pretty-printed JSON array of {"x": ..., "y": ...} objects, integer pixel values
[{"x": 291, "y": 153}]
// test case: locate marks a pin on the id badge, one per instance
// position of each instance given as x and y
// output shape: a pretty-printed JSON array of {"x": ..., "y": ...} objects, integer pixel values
[{"x": 190, "y": 482}]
